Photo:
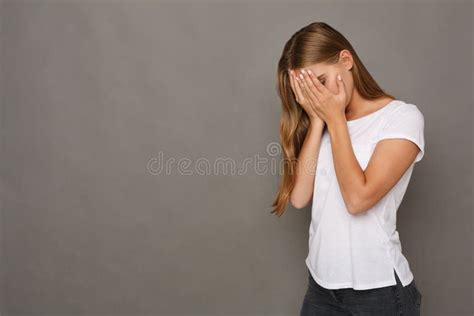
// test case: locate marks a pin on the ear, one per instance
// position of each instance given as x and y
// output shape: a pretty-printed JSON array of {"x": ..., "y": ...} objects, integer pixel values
[{"x": 346, "y": 59}]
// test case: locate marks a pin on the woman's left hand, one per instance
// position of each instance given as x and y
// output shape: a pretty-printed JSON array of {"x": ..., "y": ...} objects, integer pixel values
[{"x": 329, "y": 106}]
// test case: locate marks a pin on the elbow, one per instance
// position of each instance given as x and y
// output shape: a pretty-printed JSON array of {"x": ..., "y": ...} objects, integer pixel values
[
  {"x": 298, "y": 203},
  {"x": 357, "y": 205}
]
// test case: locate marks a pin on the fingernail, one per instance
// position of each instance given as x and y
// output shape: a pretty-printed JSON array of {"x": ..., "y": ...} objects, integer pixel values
[
  {"x": 301, "y": 76},
  {"x": 338, "y": 77},
  {"x": 310, "y": 72}
]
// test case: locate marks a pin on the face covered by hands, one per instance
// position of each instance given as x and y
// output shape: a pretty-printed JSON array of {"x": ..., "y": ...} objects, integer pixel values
[{"x": 328, "y": 106}]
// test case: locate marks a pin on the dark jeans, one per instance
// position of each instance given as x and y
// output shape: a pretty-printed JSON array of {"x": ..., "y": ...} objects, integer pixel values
[{"x": 383, "y": 301}]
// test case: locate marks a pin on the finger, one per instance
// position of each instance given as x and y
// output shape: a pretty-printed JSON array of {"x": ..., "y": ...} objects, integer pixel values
[
  {"x": 312, "y": 87},
  {"x": 307, "y": 95},
  {"x": 294, "y": 88},
  {"x": 292, "y": 82},
  {"x": 299, "y": 89},
  {"x": 320, "y": 88},
  {"x": 308, "y": 89},
  {"x": 341, "y": 86}
]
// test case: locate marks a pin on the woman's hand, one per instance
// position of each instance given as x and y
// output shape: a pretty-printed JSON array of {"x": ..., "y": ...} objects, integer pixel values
[
  {"x": 303, "y": 100},
  {"x": 328, "y": 106}
]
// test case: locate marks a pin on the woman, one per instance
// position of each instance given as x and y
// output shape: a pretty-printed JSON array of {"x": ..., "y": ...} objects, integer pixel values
[{"x": 349, "y": 148}]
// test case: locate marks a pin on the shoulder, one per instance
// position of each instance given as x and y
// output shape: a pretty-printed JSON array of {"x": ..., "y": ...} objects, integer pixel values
[
  {"x": 404, "y": 108},
  {"x": 404, "y": 120},
  {"x": 404, "y": 111}
]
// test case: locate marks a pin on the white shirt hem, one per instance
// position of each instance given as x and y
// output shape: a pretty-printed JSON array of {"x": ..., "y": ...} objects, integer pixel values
[{"x": 366, "y": 286}]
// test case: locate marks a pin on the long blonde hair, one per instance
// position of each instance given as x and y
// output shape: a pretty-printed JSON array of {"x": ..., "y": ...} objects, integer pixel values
[{"x": 315, "y": 43}]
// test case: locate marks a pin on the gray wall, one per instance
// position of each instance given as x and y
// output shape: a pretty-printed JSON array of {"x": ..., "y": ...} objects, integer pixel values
[
  {"x": 93, "y": 91},
  {"x": 2, "y": 184}
]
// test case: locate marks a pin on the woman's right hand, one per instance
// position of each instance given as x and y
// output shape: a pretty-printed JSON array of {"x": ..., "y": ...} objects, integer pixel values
[{"x": 302, "y": 99}]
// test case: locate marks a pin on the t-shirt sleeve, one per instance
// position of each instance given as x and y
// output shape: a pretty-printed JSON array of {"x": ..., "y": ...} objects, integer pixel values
[{"x": 406, "y": 122}]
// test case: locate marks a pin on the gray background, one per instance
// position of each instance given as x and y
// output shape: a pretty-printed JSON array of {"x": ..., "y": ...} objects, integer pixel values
[{"x": 92, "y": 91}]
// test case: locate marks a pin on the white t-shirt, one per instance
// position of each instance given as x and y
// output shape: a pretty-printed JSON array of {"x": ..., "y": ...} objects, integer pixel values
[{"x": 361, "y": 251}]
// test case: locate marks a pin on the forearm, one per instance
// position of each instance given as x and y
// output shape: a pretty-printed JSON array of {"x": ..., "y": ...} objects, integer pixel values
[
  {"x": 306, "y": 166},
  {"x": 350, "y": 176}
]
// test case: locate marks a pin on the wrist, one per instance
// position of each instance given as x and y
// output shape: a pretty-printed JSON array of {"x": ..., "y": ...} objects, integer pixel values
[
  {"x": 336, "y": 122},
  {"x": 317, "y": 123}
]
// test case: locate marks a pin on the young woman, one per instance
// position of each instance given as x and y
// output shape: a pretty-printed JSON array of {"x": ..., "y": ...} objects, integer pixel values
[{"x": 349, "y": 148}]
